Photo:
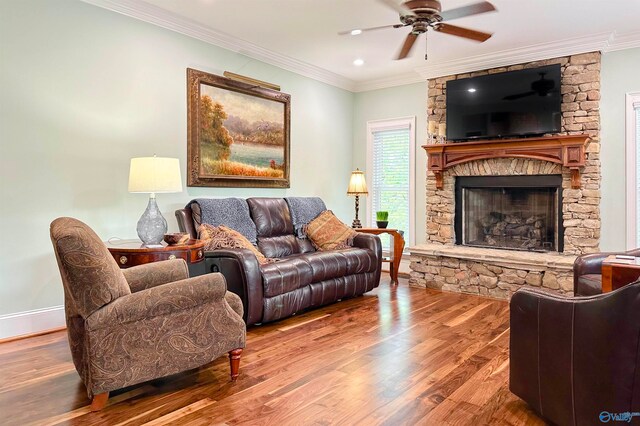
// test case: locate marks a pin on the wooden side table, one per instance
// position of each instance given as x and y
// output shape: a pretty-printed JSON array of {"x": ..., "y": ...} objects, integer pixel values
[
  {"x": 617, "y": 272},
  {"x": 396, "y": 249},
  {"x": 128, "y": 253}
]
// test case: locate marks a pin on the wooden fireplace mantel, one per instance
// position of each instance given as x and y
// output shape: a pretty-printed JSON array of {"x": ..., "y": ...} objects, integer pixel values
[{"x": 568, "y": 150}]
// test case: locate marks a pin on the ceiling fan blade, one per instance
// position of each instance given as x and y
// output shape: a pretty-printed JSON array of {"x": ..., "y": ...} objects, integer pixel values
[
  {"x": 462, "y": 32},
  {"x": 406, "y": 47},
  {"x": 370, "y": 29},
  {"x": 400, "y": 8},
  {"x": 472, "y": 9},
  {"x": 518, "y": 96}
]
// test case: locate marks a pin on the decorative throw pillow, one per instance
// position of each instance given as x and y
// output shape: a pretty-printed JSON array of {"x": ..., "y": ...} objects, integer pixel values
[
  {"x": 221, "y": 237},
  {"x": 326, "y": 232}
]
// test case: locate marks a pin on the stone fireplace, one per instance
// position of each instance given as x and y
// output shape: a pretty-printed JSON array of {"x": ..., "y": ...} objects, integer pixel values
[{"x": 520, "y": 216}]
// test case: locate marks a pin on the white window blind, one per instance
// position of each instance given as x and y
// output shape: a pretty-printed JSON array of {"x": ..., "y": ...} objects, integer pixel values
[
  {"x": 637, "y": 183},
  {"x": 390, "y": 174}
]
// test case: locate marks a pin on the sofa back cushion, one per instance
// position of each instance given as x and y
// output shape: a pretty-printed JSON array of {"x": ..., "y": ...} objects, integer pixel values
[{"x": 274, "y": 226}]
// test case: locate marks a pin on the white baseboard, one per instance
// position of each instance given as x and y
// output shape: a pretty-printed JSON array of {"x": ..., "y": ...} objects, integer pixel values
[{"x": 30, "y": 322}]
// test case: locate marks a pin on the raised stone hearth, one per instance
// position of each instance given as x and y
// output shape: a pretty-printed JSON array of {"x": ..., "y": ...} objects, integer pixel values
[
  {"x": 498, "y": 273},
  {"x": 489, "y": 272}
]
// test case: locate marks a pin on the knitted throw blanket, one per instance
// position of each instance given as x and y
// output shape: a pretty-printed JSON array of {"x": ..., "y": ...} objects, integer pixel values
[
  {"x": 304, "y": 210},
  {"x": 230, "y": 212}
]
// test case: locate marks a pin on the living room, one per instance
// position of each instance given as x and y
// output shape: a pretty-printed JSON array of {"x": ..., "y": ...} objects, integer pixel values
[{"x": 89, "y": 85}]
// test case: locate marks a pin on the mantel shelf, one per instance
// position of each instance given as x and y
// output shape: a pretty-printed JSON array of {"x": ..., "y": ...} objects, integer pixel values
[{"x": 568, "y": 150}]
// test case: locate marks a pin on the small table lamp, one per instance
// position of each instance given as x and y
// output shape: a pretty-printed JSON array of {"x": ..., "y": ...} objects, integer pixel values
[
  {"x": 357, "y": 187},
  {"x": 152, "y": 175}
]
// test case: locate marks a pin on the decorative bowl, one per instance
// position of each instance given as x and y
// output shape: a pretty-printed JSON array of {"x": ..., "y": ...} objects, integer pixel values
[{"x": 176, "y": 239}]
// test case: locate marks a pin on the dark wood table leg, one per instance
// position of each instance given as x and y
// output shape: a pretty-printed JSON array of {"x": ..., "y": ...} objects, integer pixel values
[
  {"x": 607, "y": 275},
  {"x": 398, "y": 248}
]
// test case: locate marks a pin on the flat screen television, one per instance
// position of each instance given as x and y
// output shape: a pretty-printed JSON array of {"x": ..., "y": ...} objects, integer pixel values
[{"x": 509, "y": 104}]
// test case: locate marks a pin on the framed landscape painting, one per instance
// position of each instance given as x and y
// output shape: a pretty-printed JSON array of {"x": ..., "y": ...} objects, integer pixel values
[{"x": 238, "y": 133}]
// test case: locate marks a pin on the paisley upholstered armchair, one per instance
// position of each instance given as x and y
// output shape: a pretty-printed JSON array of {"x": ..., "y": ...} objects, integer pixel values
[{"x": 129, "y": 326}]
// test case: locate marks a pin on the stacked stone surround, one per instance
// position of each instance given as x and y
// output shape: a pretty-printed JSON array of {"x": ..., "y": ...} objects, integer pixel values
[{"x": 580, "y": 89}]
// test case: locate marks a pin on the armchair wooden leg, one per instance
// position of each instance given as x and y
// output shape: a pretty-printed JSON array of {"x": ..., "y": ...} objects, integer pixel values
[
  {"x": 99, "y": 401},
  {"x": 234, "y": 360}
]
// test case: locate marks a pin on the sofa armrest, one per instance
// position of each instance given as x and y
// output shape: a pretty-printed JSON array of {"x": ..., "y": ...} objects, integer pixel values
[
  {"x": 185, "y": 221},
  {"x": 159, "y": 301},
  {"x": 154, "y": 274},
  {"x": 241, "y": 269},
  {"x": 373, "y": 243}
]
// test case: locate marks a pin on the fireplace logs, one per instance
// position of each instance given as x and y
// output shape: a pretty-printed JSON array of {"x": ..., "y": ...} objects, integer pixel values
[{"x": 514, "y": 230}]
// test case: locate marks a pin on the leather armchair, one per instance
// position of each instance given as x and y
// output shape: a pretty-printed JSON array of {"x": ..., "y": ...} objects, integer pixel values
[
  {"x": 572, "y": 359},
  {"x": 587, "y": 272},
  {"x": 149, "y": 321}
]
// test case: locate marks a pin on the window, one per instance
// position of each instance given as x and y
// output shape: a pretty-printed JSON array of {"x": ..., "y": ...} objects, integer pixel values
[
  {"x": 633, "y": 169},
  {"x": 391, "y": 174}
]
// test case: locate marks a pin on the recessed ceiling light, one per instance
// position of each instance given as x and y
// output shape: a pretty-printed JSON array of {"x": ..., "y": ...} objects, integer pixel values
[
  {"x": 356, "y": 32},
  {"x": 471, "y": 90},
  {"x": 358, "y": 62}
]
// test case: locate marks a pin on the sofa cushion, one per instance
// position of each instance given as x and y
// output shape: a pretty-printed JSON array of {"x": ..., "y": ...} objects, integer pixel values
[
  {"x": 338, "y": 263},
  {"x": 230, "y": 212},
  {"x": 271, "y": 216},
  {"x": 281, "y": 246},
  {"x": 589, "y": 285},
  {"x": 274, "y": 226},
  {"x": 285, "y": 276},
  {"x": 327, "y": 232}
]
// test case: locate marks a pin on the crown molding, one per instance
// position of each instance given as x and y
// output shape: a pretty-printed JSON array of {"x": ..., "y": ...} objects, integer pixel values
[
  {"x": 157, "y": 16},
  {"x": 386, "y": 82},
  {"x": 602, "y": 42},
  {"x": 598, "y": 42},
  {"x": 623, "y": 41},
  {"x": 537, "y": 52}
]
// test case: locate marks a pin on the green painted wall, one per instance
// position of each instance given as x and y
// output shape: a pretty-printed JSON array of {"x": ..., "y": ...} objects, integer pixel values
[
  {"x": 82, "y": 91},
  {"x": 619, "y": 76},
  {"x": 395, "y": 102}
]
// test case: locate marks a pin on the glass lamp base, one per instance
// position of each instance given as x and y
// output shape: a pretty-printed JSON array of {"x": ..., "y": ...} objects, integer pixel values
[{"x": 152, "y": 226}]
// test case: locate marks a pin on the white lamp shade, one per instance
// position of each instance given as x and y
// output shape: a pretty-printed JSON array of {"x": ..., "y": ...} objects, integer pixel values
[
  {"x": 357, "y": 183},
  {"x": 155, "y": 174}
]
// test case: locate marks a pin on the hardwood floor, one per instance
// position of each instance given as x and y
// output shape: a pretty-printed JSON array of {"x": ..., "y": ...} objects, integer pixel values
[{"x": 399, "y": 355}]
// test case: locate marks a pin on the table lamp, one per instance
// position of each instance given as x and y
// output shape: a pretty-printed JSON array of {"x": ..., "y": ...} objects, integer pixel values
[
  {"x": 153, "y": 175},
  {"x": 357, "y": 187}
]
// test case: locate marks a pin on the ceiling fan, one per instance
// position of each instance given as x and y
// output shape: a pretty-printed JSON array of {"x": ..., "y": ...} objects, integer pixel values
[
  {"x": 424, "y": 14},
  {"x": 542, "y": 87}
]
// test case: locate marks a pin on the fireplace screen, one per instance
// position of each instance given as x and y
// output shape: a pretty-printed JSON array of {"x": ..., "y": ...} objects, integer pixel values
[{"x": 508, "y": 217}]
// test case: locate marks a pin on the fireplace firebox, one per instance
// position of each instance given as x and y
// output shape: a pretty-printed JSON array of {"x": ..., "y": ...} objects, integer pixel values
[{"x": 509, "y": 212}]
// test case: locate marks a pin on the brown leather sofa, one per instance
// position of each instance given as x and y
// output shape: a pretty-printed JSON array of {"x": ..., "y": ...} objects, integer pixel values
[
  {"x": 575, "y": 359},
  {"x": 302, "y": 278},
  {"x": 587, "y": 272}
]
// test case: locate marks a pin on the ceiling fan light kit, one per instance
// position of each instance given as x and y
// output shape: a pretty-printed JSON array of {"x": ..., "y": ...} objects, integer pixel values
[{"x": 421, "y": 15}]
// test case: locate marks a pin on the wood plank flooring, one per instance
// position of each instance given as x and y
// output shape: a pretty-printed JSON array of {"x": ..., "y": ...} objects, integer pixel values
[{"x": 398, "y": 355}]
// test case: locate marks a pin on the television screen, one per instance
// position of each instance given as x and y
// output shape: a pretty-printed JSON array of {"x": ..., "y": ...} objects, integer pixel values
[{"x": 516, "y": 103}]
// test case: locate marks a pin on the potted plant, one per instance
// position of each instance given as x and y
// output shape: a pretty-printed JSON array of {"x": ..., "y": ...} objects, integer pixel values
[{"x": 382, "y": 219}]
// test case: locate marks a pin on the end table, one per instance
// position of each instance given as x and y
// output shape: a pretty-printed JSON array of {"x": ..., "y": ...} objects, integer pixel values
[
  {"x": 396, "y": 250},
  {"x": 128, "y": 253},
  {"x": 617, "y": 272}
]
